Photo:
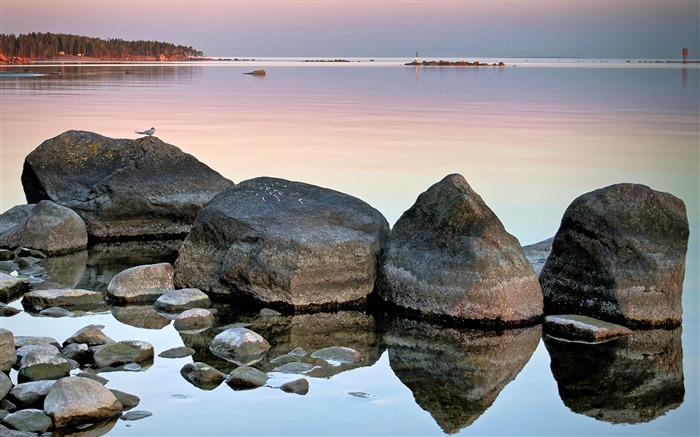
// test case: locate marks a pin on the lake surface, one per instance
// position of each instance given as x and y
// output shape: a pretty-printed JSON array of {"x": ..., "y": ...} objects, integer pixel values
[{"x": 529, "y": 138}]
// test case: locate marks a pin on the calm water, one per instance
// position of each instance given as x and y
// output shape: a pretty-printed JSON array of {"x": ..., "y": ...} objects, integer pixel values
[{"x": 529, "y": 138}]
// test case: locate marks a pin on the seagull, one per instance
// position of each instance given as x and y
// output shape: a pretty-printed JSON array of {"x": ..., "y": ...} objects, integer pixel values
[{"x": 148, "y": 132}]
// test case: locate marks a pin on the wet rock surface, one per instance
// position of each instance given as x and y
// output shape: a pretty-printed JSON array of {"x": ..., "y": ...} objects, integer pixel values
[
  {"x": 240, "y": 345},
  {"x": 122, "y": 352},
  {"x": 141, "y": 284},
  {"x": 68, "y": 298},
  {"x": 74, "y": 401},
  {"x": 121, "y": 188},
  {"x": 619, "y": 255},
  {"x": 450, "y": 257},
  {"x": 284, "y": 244},
  {"x": 584, "y": 328},
  {"x": 182, "y": 299}
]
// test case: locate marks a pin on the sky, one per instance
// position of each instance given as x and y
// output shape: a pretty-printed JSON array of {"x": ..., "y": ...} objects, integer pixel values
[{"x": 654, "y": 29}]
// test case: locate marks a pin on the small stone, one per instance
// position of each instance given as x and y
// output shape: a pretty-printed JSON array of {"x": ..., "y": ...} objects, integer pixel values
[
  {"x": 55, "y": 312},
  {"x": 31, "y": 420},
  {"x": 194, "y": 319},
  {"x": 38, "y": 365},
  {"x": 577, "y": 327},
  {"x": 5, "y": 384},
  {"x": 127, "y": 400},
  {"x": 298, "y": 352},
  {"x": 239, "y": 345},
  {"x": 284, "y": 359},
  {"x": 177, "y": 352},
  {"x": 183, "y": 299},
  {"x": 245, "y": 377},
  {"x": 136, "y": 415},
  {"x": 23, "y": 340},
  {"x": 122, "y": 352},
  {"x": 93, "y": 376},
  {"x": 202, "y": 375},
  {"x": 8, "y": 311},
  {"x": 90, "y": 335},
  {"x": 298, "y": 386},
  {"x": 132, "y": 367},
  {"x": 76, "y": 351},
  {"x": 267, "y": 312},
  {"x": 29, "y": 394}
]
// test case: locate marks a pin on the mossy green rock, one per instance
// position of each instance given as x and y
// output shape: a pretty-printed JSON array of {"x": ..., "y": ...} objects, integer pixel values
[{"x": 122, "y": 352}]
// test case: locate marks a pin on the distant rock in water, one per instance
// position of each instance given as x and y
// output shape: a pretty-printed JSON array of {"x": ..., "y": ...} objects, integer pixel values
[
  {"x": 257, "y": 73},
  {"x": 283, "y": 243},
  {"x": 450, "y": 257},
  {"x": 123, "y": 189},
  {"x": 619, "y": 256}
]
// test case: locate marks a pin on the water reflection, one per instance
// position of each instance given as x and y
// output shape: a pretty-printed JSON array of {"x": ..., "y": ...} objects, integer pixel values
[
  {"x": 631, "y": 380},
  {"x": 456, "y": 374},
  {"x": 63, "y": 271},
  {"x": 140, "y": 316}
]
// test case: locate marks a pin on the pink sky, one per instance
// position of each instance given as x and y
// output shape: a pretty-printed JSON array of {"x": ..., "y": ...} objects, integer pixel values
[{"x": 617, "y": 29}]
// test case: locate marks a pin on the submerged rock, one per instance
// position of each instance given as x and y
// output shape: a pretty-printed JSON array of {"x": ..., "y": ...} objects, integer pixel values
[
  {"x": 450, "y": 257},
  {"x": 46, "y": 226},
  {"x": 619, "y": 255},
  {"x": 285, "y": 244},
  {"x": 141, "y": 284},
  {"x": 239, "y": 345},
  {"x": 177, "y": 352},
  {"x": 74, "y": 401},
  {"x": 123, "y": 189}
]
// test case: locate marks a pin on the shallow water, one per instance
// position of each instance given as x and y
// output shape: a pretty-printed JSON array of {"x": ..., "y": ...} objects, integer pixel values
[{"x": 528, "y": 138}]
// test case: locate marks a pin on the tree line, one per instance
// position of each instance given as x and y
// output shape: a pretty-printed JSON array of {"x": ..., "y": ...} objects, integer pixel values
[{"x": 38, "y": 45}]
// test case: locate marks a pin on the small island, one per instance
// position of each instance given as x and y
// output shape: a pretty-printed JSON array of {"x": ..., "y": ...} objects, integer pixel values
[{"x": 453, "y": 64}]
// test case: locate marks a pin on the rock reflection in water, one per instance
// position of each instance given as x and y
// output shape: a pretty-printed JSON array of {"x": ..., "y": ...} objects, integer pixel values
[
  {"x": 353, "y": 329},
  {"x": 63, "y": 271},
  {"x": 455, "y": 374},
  {"x": 631, "y": 380},
  {"x": 140, "y": 316}
]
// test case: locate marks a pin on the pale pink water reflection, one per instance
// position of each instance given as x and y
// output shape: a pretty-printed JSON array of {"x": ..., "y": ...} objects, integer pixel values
[{"x": 528, "y": 140}]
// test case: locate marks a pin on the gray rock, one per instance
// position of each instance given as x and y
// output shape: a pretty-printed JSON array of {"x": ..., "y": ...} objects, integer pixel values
[
  {"x": 31, "y": 420},
  {"x": 93, "y": 376},
  {"x": 7, "y": 350},
  {"x": 11, "y": 286},
  {"x": 55, "y": 312},
  {"x": 298, "y": 352},
  {"x": 177, "y": 352},
  {"x": 91, "y": 335},
  {"x": 5, "y": 254},
  {"x": 245, "y": 377},
  {"x": 298, "y": 386},
  {"x": 25, "y": 340},
  {"x": 122, "y": 188},
  {"x": 202, "y": 375},
  {"x": 8, "y": 311},
  {"x": 74, "y": 401},
  {"x": 450, "y": 257},
  {"x": 136, "y": 415},
  {"x": 619, "y": 256},
  {"x": 8, "y": 266},
  {"x": 194, "y": 319},
  {"x": 13, "y": 217},
  {"x": 75, "y": 351},
  {"x": 267, "y": 312},
  {"x": 239, "y": 345},
  {"x": 5, "y": 384},
  {"x": 70, "y": 298},
  {"x": 184, "y": 299},
  {"x": 284, "y": 359},
  {"x": 336, "y": 355},
  {"x": 51, "y": 228},
  {"x": 29, "y": 394},
  {"x": 22, "y": 252},
  {"x": 285, "y": 244},
  {"x": 584, "y": 328},
  {"x": 127, "y": 400},
  {"x": 538, "y": 253},
  {"x": 37, "y": 365},
  {"x": 122, "y": 352},
  {"x": 141, "y": 284},
  {"x": 43, "y": 348}
]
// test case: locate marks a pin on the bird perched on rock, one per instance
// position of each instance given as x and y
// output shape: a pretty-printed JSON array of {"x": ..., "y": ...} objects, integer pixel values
[{"x": 148, "y": 132}]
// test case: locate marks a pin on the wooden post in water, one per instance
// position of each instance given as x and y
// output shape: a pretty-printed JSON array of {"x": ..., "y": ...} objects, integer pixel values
[{"x": 685, "y": 55}]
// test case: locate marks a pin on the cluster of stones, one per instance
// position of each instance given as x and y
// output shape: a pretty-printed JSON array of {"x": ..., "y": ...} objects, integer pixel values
[
  {"x": 619, "y": 254},
  {"x": 48, "y": 397},
  {"x": 443, "y": 63}
]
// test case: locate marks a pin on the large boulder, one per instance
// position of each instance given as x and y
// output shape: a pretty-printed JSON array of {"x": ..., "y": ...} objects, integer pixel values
[
  {"x": 46, "y": 226},
  {"x": 619, "y": 256},
  {"x": 123, "y": 189},
  {"x": 285, "y": 244},
  {"x": 450, "y": 257},
  {"x": 73, "y": 401}
]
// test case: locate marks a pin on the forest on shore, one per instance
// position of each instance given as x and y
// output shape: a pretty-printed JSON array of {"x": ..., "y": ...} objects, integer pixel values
[{"x": 48, "y": 46}]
